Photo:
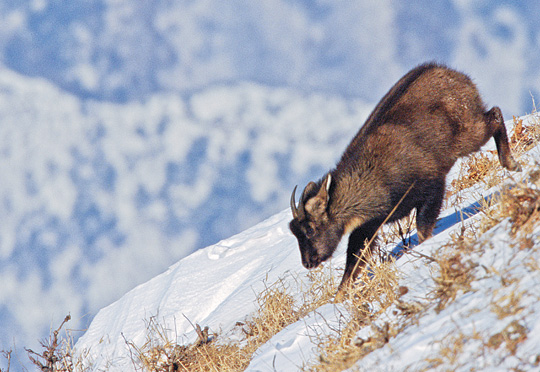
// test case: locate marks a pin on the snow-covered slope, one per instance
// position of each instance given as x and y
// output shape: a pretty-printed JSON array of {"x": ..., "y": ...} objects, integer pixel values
[
  {"x": 214, "y": 286},
  {"x": 217, "y": 286}
]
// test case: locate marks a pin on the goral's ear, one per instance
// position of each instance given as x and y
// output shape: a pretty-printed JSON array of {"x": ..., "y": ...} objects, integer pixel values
[
  {"x": 309, "y": 190},
  {"x": 317, "y": 205}
]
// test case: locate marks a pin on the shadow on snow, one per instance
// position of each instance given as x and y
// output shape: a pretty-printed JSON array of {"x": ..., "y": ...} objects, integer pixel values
[{"x": 443, "y": 224}]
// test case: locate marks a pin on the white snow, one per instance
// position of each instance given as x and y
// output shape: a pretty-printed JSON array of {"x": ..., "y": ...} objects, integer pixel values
[
  {"x": 217, "y": 286},
  {"x": 214, "y": 286}
]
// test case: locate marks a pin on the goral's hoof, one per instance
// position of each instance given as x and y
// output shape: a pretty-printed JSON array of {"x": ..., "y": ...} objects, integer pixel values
[{"x": 513, "y": 166}]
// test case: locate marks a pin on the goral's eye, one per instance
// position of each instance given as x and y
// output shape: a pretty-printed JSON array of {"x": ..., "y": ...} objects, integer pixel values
[{"x": 309, "y": 232}]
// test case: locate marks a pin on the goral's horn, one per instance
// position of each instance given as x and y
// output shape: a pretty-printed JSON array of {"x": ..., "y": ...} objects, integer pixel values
[
  {"x": 293, "y": 204},
  {"x": 301, "y": 207}
]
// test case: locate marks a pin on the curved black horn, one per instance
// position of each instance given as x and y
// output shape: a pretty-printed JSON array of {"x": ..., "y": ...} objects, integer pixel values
[{"x": 293, "y": 203}]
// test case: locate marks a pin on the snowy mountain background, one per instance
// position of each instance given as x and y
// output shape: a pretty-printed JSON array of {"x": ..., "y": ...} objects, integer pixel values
[{"x": 133, "y": 133}]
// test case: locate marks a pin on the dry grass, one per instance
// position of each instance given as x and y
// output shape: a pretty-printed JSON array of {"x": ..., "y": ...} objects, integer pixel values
[
  {"x": 451, "y": 348},
  {"x": 160, "y": 353},
  {"x": 513, "y": 335},
  {"x": 479, "y": 167},
  {"x": 364, "y": 303},
  {"x": 57, "y": 354},
  {"x": 454, "y": 271},
  {"x": 399, "y": 231},
  {"x": 506, "y": 305},
  {"x": 485, "y": 167},
  {"x": 276, "y": 311},
  {"x": 277, "y": 308},
  {"x": 525, "y": 137},
  {"x": 520, "y": 204}
]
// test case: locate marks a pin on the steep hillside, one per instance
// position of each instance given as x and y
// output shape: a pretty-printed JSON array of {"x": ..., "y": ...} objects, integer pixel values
[{"x": 466, "y": 298}]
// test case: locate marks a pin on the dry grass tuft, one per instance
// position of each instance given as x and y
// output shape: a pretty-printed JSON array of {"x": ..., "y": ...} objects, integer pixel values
[
  {"x": 520, "y": 204},
  {"x": 276, "y": 310},
  {"x": 340, "y": 353},
  {"x": 455, "y": 270},
  {"x": 477, "y": 168},
  {"x": 161, "y": 354},
  {"x": 513, "y": 335},
  {"x": 525, "y": 137},
  {"x": 455, "y": 275},
  {"x": 57, "y": 354},
  {"x": 322, "y": 287},
  {"x": 364, "y": 303},
  {"x": 507, "y": 304},
  {"x": 481, "y": 167},
  {"x": 451, "y": 348},
  {"x": 398, "y": 231}
]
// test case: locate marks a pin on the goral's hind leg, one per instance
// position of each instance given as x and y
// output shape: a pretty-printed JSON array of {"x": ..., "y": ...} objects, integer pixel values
[{"x": 494, "y": 121}]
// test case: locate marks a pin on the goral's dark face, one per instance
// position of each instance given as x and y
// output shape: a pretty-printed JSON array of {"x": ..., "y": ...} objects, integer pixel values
[{"x": 317, "y": 242}]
